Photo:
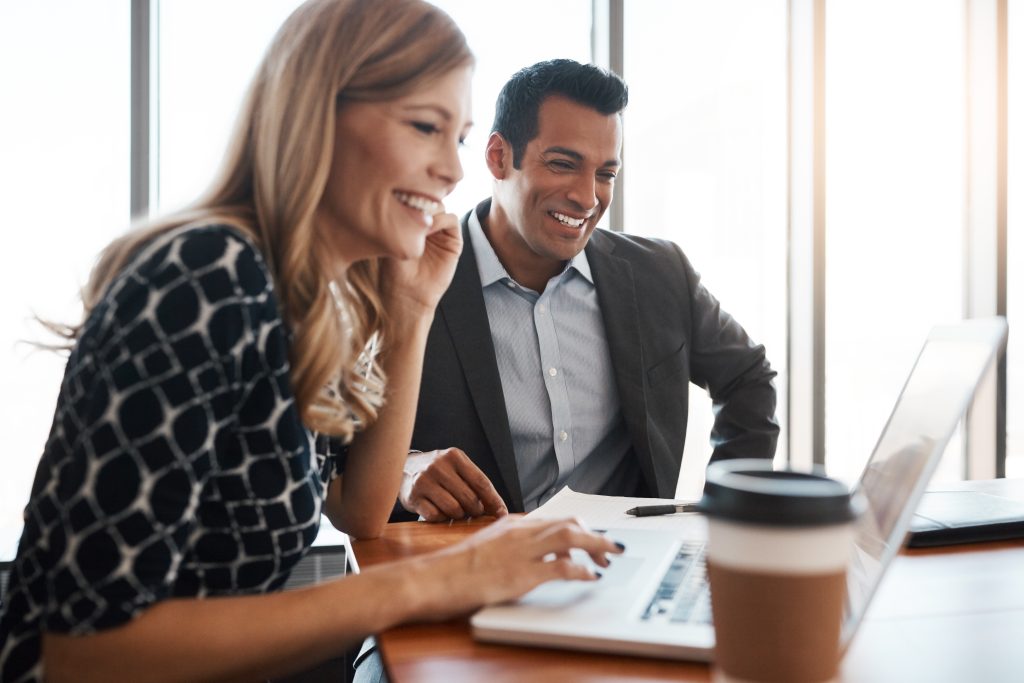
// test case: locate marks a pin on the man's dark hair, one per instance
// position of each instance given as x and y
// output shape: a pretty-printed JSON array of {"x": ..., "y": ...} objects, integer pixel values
[{"x": 516, "y": 111}]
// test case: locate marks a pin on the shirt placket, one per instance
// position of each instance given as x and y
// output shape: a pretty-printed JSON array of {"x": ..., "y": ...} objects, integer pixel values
[{"x": 555, "y": 384}]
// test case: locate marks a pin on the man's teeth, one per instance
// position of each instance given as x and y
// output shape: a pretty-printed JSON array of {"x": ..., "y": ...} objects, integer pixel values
[
  {"x": 427, "y": 206},
  {"x": 568, "y": 220}
]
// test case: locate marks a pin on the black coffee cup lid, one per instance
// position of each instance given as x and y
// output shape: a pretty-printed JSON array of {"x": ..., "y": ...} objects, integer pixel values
[{"x": 750, "y": 491}]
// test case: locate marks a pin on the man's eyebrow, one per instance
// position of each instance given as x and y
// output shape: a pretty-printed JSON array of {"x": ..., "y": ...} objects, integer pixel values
[
  {"x": 573, "y": 154},
  {"x": 564, "y": 151}
]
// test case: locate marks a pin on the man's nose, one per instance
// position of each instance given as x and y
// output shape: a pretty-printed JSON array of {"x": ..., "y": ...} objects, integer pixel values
[{"x": 583, "y": 192}]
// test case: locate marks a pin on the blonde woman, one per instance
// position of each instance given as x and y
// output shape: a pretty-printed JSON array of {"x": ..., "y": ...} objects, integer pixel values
[{"x": 179, "y": 484}]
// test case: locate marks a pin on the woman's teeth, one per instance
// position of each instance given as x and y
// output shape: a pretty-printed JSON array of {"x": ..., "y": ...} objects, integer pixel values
[
  {"x": 427, "y": 206},
  {"x": 568, "y": 220}
]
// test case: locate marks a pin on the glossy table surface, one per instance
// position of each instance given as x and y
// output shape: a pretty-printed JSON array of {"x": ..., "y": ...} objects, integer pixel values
[{"x": 944, "y": 614}]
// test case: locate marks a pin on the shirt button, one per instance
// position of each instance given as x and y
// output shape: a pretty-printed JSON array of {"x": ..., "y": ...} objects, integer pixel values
[
  {"x": 511, "y": 285},
  {"x": 562, "y": 436},
  {"x": 542, "y": 308},
  {"x": 552, "y": 372}
]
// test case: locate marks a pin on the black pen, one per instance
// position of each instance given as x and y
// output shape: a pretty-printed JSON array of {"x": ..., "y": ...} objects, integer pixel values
[{"x": 651, "y": 510}]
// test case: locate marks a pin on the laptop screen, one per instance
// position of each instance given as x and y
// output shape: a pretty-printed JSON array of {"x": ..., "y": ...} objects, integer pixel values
[{"x": 934, "y": 399}]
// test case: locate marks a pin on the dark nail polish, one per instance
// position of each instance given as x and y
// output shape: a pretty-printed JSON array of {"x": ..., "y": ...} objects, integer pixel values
[
  {"x": 619, "y": 546},
  {"x": 598, "y": 574}
]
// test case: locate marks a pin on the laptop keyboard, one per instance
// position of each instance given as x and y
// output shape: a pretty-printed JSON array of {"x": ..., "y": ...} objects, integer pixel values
[{"x": 683, "y": 595}]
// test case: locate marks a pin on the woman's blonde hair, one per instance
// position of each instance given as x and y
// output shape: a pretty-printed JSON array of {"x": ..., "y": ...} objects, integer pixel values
[{"x": 275, "y": 173}]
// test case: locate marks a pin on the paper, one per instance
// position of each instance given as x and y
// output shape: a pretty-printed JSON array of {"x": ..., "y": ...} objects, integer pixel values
[{"x": 609, "y": 512}]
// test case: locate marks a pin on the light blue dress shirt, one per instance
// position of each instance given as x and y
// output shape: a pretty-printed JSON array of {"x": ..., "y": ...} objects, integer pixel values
[{"x": 557, "y": 379}]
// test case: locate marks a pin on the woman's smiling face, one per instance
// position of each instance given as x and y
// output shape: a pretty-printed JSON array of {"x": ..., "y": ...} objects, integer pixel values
[{"x": 394, "y": 162}]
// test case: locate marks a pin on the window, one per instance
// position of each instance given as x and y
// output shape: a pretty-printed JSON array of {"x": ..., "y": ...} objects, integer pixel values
[
  {"x": 64, "y": 132},
  {"x": 895, "y": 192},
  {"x": 705, "y": 166},
  {"x": 206, "y": 61},
  {"x": 1015, "y": 240}
]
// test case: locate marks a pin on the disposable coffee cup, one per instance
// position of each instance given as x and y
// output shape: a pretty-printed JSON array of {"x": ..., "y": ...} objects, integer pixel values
[{"x": 779, "y": 542}]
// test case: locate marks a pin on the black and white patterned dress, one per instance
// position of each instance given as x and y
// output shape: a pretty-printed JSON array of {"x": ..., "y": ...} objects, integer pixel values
[{"x": 177, "y": 464}]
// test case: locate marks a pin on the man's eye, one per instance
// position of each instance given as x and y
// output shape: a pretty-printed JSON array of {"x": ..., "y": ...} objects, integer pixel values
[
  {"x": 559, "y": 163},
  {"x": 607, "y": 176},
  {"x": 424, "y": 127}
]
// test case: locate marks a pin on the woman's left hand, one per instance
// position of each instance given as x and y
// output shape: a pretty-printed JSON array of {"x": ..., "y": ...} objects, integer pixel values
[{"x": 415, "y": 286}]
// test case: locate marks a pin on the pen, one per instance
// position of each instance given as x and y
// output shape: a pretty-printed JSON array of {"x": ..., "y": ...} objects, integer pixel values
[{"x": 651, "y": 510}]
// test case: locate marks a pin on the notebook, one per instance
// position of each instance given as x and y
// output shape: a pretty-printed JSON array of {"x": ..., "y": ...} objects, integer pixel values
[
  {"x": 954, "y": 517},
  {"x": 636, "y": 608}
]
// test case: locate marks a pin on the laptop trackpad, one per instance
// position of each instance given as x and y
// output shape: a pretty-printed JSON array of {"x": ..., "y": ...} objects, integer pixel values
[{"x": 613, "y": 582}]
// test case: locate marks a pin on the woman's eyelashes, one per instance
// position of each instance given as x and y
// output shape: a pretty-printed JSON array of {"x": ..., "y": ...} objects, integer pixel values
[
  {"x": 428, "y": 128},
  {"x": 425, "y": 127}
]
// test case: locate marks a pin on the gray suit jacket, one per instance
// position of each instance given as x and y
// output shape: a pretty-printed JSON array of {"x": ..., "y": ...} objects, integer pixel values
[{"x": 664, "y": 331}]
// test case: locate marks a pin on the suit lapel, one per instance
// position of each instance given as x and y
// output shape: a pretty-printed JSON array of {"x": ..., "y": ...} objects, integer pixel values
[
  {"x": 616, "y": 296},
  {"x": 466, "y": 318}
]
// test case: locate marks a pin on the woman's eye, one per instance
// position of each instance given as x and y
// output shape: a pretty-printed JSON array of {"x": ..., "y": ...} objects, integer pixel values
[{"x": 426, "y": 128}]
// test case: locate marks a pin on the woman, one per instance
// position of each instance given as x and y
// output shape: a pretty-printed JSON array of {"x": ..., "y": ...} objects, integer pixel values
[{"x": 179, "y": 484}]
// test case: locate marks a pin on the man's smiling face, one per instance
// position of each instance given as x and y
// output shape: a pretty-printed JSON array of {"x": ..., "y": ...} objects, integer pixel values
[{"x": 564, "y": 185}]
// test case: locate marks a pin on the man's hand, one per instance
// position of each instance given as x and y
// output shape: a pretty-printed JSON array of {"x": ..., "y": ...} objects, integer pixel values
[{"x": 445, "y": 484}]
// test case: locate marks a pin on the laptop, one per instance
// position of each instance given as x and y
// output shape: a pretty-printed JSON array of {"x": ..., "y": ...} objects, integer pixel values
[{"x": 653, "y": 600}]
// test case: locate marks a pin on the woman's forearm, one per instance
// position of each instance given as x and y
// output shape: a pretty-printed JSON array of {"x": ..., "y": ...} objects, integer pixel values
[
  {"x": 250, "y": 638},
  {"x": 240, "y": 638},
  {"x": 362, "y": 501}
]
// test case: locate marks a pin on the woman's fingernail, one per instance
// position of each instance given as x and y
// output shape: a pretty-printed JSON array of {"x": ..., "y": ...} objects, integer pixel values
[
  {"x": 598, "y": 574},
  {"x": 619, "y": 546}
]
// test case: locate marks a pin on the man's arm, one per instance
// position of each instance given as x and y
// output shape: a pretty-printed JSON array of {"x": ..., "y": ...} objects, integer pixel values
[{"x": 736, "y": 373}]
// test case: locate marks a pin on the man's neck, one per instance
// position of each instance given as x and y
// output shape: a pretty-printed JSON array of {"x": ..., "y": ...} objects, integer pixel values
[{"x": 525, "y": 267}]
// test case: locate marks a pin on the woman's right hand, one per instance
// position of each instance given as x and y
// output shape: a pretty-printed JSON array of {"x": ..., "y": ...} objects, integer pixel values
[
  {"x": 415, "y": 286},
  {"x": 507, "y": 559}
]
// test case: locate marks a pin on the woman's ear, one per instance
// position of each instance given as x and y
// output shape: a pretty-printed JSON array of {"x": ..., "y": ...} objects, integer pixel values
[{"x": 498, "y": 155}]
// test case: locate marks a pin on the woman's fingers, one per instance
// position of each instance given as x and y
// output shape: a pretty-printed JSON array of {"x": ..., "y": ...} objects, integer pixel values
[
  {"x": 512, "y": 556},
  {"x": 444, "y": 221},
  {"x": 547, "y": 546},
  {"x": 561, "y": 536}
]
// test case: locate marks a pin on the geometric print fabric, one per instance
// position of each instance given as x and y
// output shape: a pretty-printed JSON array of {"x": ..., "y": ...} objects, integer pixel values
[{"x": 176, "y": 464}]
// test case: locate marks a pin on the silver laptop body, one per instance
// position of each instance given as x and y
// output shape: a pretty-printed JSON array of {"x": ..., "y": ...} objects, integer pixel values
[{"x": 630, "y": 609}]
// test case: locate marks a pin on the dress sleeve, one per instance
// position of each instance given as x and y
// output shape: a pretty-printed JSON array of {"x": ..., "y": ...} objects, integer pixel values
[
  {"x": 149, "y": 395},
  {"x": 334, "y": 451}
]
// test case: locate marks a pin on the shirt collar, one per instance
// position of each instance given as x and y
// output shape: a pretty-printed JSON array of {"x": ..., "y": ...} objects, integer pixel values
[{"x": 489, "y": 265}]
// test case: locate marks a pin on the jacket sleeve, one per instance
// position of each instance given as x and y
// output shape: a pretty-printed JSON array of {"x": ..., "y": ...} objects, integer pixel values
[{"x": 736, "y": 373}]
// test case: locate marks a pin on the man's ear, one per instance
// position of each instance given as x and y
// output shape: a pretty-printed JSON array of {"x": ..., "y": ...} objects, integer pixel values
[{"x": 498, "y": 155}]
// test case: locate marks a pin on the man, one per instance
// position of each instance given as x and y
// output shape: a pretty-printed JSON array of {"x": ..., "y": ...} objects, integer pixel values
[{"x": 560, "y": 354}]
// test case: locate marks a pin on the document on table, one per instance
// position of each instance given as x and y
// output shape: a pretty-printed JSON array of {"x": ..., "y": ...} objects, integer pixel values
[{"x": 609, "y": 512}]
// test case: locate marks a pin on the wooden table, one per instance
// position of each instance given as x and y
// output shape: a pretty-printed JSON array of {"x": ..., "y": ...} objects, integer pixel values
[{"x": 947, "y": 614}]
